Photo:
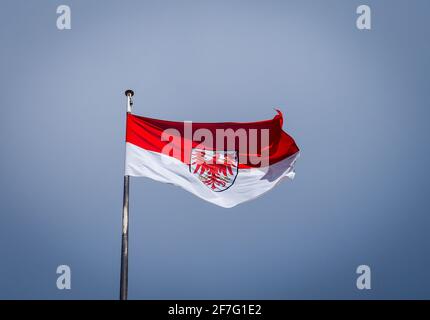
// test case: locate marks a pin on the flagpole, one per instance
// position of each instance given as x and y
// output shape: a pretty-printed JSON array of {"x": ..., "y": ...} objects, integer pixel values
[{"x": 125, "y": 210}]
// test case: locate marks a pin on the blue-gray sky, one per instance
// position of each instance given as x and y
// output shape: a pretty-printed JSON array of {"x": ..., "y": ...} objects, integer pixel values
[{"x": 356, "y": 102}]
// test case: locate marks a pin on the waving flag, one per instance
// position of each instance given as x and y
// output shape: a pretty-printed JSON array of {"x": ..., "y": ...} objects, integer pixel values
[{"x": 223, "y": 163}]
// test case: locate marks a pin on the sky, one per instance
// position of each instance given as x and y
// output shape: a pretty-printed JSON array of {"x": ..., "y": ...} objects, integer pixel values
[{"x": 355, "y": 101}]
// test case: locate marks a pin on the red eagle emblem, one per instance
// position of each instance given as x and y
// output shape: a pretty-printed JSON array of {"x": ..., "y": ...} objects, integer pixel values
[{"x": 215, "y": 169}]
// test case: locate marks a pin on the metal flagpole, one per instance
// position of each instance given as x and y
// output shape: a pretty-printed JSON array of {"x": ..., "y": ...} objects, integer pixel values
[{"x": 124, "y": 246}]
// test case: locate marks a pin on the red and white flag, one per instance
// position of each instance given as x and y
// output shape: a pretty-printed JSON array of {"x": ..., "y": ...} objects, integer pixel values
[{"x": 224, "y": 163}]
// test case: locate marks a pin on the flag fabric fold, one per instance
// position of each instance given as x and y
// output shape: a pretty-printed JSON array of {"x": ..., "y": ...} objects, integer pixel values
[{"x": 224, "y": 163}]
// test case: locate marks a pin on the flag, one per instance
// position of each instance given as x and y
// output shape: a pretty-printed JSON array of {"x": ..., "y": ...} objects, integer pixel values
[{"x": 224, "y": 163}]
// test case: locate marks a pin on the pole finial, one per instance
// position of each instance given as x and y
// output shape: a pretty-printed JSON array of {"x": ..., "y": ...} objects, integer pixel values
[{"x": 129, "y": 93}]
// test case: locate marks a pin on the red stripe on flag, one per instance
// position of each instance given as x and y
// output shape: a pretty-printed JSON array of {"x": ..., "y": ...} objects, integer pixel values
[{"x": 147, "y": 133}]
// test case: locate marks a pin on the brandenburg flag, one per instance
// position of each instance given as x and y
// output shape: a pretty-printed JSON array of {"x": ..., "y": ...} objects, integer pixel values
[{"x": 224, "y": 163}]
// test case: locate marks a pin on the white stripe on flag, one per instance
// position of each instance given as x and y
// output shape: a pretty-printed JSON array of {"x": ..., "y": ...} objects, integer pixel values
[{"x": 249, "y": 183}]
